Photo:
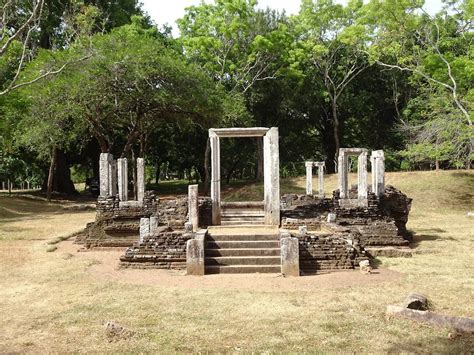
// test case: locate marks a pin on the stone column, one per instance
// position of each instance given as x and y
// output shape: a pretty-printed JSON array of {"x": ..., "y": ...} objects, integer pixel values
[
  {"x": 193, "y": 207},
  {"x": 378, "y": 172},
  {"x": 195, "y": 255},
  {"x": 290, "y": 255},
  {"x": 140, "y": 179},
  {"x": 271, "y": 161},
  {"x": 215, "y": 178},
  {"x": 144, "y": 228},
  {"x": 342, "y": 175},
  {"x": 104, "y": 174},
  {"x": 309, "y": 177},
  {"x": 362, "y": 176},
  {"x": 113, "y": 178},
  {"x": 320, "y": 166},
  {"x": 153, "y": 224},
  {"x": 122, "y": 175}
]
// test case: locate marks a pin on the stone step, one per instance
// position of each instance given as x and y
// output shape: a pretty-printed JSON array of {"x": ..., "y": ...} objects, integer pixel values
[
  {"x": 239, "y": 222},
  {"x": 242, "y": 205},
  {"x": 226, "y": 244},
  {"x": 242, "y": 237},
  {"x": 247, "y": 269},
  {"x": 242, "y": 260},
  {"x": 242, "y": 213},
  {"x": 243, "y": 252},
  {"x": 244, "y": 229}
]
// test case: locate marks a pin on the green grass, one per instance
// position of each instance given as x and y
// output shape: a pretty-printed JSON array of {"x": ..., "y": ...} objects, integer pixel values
[{"x": 55, "y": 302}]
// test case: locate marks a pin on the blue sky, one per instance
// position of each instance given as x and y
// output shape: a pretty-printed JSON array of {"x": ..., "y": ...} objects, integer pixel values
[{"x": 168, "y": 11}]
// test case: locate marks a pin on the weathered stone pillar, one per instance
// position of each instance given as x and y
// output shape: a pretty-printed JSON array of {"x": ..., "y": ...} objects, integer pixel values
[
  {"x": 140, "y": 179},
  {"x": 113, "y": 178},
  {"x": 290, "y": 255},
  {"x": 342, "y": 179},
  {"x": 105, "y": 174},
  {"x": 215, "y": 178},
  {"x": 193, "y": 206},
  {"x": 309, "y": 177},
  {"x": 153, "y": 224},
  {"x": 377, "y": 159},
  {"x": 144, "y": 228},
  {"x": 195, "y": 255},
  {"x": 271, "y": 160},
  {"x": 122, "y": 177},
  {"x": 320, "y": 165},
  {"x": 362, "y": 176}
]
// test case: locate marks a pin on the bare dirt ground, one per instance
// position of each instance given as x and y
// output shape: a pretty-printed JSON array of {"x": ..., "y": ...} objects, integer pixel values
[{"x": 105, "y": 265}]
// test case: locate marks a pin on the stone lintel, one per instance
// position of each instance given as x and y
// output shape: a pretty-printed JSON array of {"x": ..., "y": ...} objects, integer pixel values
[
  {"x": 352, "y": 151},
  {"x": 309, "y": 164},
  {"x": 377, "y": 154},
  {"x": 239, "y": 132}
]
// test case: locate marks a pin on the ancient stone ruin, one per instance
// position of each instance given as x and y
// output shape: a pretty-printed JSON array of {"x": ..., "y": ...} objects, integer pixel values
[{"x": 290, "y": 234}]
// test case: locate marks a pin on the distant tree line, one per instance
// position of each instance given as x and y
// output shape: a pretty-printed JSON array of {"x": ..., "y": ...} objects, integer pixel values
[{"x": 82, "y": 77}]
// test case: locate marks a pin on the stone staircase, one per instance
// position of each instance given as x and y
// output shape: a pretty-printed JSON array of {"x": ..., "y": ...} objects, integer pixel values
[
  {"x": 243, "y": 249},
  {"x": 242, "y": 213}
]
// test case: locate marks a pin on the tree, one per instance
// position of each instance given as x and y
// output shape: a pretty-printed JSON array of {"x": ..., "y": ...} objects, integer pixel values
[
  {"x": 329, "y": 39},
  {"x": 435, "y": 50}
]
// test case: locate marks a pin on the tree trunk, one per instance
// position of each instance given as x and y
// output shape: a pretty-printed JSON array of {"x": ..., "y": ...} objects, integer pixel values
[
  {"x": 157, "y": 173},
  {"x": 207, "y": 178},
  {"x": 49, "y": 188},
  {"x": 337, "y": 143},
  {"x": 259, "y": 171}
]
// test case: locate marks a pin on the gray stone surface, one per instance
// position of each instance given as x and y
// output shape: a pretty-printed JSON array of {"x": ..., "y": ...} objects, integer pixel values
[
  {"x": 343, "y": 182},
  {"x": 362, "y": 176},
  {"x": 309, "y": 177},
  {"x": 113, "y": 178},
  {"x": 377, "y": 160},
  {"x": 104, "y": 174},
  {"x": 195, "y": 255},
  {"x": 193, "y": 206},
  {"x": 140, "y": 179},
  {"x": 271, "y": 158},
  {"x": 332, "y": 217},
  {"x": 290, "y": 256},
  {"x": 215, "y": 178},
  {"x": 154, "y": 223},
  {"x": 320, "y": 165},
  {"x": 122, "y": 178},
  {"x": 144, "y": 228}
]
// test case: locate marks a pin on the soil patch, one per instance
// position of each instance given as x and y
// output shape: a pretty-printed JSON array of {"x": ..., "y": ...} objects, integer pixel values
[{"x": 106, "y": 265}]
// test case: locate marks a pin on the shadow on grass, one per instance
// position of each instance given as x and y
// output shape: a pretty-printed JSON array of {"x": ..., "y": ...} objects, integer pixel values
[{"x": 458, "y": 345}]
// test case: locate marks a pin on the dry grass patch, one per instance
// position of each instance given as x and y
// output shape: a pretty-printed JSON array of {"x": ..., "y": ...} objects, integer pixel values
[{"x": 56, "y": 302}]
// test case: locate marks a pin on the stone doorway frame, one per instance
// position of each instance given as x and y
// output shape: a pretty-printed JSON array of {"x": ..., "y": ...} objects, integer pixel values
[
  {"x": 271, "y": 171},
  {"x": 343, "y": 179}
]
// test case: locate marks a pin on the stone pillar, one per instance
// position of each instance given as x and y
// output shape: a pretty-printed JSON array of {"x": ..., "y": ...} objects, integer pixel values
[
  {"x": 362, "y": 176},
  {"x": 140, "y": 179},
  {"x": 377, "y": 159},
  {"x": 195, "y": 255},
  {"x": 113, "y": 178},
  {"x": 144, "y": 228},
  {"x": 290, "y": 255},
  {"x": 342, "y": 178},
  {"x": 309, "y": 177},
  {"x": 320, "y": 166},
  {"x": 104, "y": 174},
  {"x": 122, "y": 177},
  {"x": 193, "y": 206},
  {"x": 153, "y": 224},
  {"x": 215, "y": 178},
  {"x": 271, "y": 161}
]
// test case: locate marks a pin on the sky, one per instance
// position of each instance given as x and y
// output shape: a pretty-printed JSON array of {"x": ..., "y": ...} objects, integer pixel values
[{"x": 168, "y": 11}]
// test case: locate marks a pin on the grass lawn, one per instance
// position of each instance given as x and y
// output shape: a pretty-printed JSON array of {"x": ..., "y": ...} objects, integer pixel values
[{"x": 53, "y": 301}]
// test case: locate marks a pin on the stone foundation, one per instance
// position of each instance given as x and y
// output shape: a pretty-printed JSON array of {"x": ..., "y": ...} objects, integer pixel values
[{"x": 165, "y": 249}]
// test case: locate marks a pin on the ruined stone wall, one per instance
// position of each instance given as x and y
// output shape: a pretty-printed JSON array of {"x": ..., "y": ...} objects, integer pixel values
[
  {"x": 381, "y": 223},
  {"x": 165, "y": 249},
  {"x": 325, "y": 252}
]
